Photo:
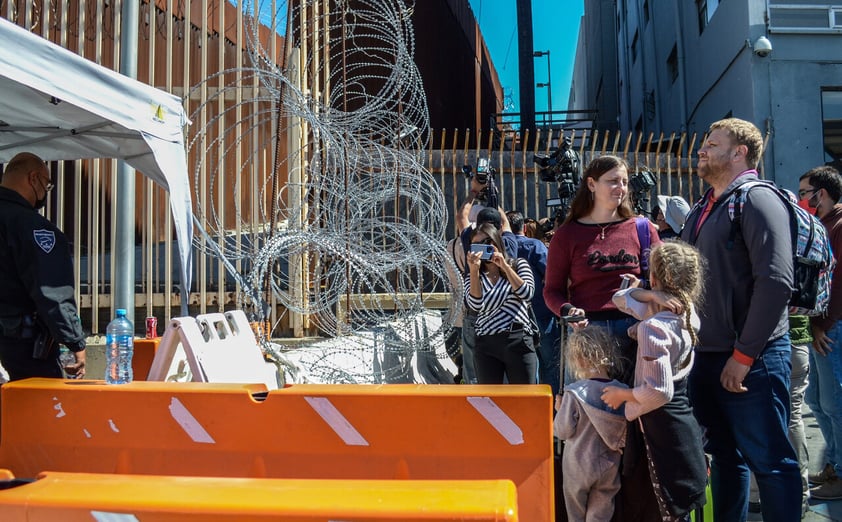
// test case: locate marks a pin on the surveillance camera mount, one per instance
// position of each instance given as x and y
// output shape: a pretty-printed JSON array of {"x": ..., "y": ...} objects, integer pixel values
[{"x": 762, "y": 47}]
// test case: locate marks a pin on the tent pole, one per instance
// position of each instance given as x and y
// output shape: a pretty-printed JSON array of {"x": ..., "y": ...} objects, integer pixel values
[{"x": 124, "y": 250}]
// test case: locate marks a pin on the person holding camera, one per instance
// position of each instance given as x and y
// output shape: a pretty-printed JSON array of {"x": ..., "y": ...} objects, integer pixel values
[
  {"x": 498, "y": 289},
  {"x": 481, "y": 207},
  {"x": 37, "y": 305},
  {"x": 473, "y": 213}
]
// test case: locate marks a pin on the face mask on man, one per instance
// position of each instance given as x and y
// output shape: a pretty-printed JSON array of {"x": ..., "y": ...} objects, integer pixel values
[
  {"x": 806, "y": 204},
  {"x": 42, "y": 201}
]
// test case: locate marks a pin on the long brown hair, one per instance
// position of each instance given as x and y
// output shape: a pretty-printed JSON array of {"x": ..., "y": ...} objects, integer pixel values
[{"x": 583, "y": 200}]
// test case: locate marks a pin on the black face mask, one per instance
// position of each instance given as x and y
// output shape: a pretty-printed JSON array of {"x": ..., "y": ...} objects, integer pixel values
[{"x": 42, "y": 202}]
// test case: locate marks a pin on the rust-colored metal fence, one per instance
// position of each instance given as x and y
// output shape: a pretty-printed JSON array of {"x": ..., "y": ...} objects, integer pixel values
[
  {"x": 182, "y": 44},
  {"x": 668, "y": 157}
]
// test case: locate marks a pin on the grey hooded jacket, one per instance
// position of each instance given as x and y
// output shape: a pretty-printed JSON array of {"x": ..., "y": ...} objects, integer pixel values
[{"x": 594, "y": 433}]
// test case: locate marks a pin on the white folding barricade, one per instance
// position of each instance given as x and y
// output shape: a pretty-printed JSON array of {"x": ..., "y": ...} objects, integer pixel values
[{"x": 212, "y": 347}]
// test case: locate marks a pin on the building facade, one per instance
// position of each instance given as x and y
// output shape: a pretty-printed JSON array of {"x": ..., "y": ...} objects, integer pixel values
[{"x": 681, "y": 65}]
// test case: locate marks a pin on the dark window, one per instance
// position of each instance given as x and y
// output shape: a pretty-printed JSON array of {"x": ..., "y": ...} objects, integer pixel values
[
  {"x": 672, "y": 64},
  {"x": 702, "y": 7},
  {"x": 832, "y": 125},
  {"x": 706, "y": 9}
]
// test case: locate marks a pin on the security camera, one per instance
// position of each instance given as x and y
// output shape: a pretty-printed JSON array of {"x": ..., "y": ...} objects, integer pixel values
[{"x": 762, "y": 47}]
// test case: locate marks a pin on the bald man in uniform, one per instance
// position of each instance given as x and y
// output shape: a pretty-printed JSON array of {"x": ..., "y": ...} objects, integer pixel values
[{"x": 37, "y": 305}]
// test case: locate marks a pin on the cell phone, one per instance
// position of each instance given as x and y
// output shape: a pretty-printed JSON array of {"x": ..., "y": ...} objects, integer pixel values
[
  {"x": 572, "y": 318},
  {"x": 625, "y": 283},
  {"x": 486, "y": 251}
]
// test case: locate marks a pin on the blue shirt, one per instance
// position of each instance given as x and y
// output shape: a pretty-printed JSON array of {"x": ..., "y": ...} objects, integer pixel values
[{"x": 535, "y": 253}]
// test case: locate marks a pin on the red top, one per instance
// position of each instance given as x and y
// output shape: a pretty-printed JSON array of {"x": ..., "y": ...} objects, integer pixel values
[
  {"x": 833, "y": 223},
  {"x": 593, "y": 266}
]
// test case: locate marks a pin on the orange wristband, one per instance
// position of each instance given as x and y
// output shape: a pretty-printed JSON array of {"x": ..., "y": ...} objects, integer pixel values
[{"x": 742, "y": 358}]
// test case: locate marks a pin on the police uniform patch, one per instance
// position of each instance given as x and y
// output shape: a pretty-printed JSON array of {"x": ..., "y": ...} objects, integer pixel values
[{"x": 45, "y": 239}]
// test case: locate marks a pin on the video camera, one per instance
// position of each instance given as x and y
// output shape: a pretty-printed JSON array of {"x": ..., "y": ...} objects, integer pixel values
[
  {"x": 639, "y": 185},
  {"x": 564, "y": 167},
  {"x": 484, "y": 170},
  {"x": 484, "y": 176}
]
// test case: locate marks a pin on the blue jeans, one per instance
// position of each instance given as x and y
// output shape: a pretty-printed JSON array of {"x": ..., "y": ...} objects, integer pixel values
[
  {"x": 549, "y": 354},
  {"x": 749, "y": 431},
  {"x": 824, "y": 395}
]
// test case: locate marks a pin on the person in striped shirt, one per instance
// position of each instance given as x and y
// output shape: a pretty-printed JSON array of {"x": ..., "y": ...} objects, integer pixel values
[{"x": 499, "y": 290}]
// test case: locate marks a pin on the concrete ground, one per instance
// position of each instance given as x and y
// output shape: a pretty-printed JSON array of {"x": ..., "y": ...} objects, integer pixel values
[{"x": 820, "y": 510}]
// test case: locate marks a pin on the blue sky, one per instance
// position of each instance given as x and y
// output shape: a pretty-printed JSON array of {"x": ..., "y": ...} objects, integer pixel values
[{"x": 555, "y": 28}]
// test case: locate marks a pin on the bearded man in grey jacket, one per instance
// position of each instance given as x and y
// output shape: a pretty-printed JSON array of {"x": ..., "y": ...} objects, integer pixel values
[{"x": 739, "y": 386}]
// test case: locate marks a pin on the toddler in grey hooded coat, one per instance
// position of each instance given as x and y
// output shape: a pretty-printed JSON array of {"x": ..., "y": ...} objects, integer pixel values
[{"x": 593, "y": 432}]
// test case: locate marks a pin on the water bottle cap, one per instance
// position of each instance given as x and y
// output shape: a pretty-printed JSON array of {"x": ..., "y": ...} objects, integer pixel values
[{"x": 121, "y": 312}]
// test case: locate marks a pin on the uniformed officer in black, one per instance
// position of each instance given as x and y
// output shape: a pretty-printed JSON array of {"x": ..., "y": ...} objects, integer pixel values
[{"x": 36, "y": 278}]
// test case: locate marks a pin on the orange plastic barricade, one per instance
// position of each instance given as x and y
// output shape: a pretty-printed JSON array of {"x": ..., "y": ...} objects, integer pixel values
[
  {"x": 355, "y": 432},
  {"x": 144, "y": 354},
  {"x": 78, "y": 497}
]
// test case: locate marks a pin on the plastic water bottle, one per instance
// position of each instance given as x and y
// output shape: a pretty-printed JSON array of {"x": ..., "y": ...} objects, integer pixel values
[
  {"x": 119, "y": 347},
  {"x": 66, "y": 357}
]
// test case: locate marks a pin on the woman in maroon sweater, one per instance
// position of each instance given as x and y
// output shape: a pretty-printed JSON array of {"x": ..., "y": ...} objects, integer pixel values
[
  {"x": 589, "y": 256},
  {"x": 595, "y": 249}
]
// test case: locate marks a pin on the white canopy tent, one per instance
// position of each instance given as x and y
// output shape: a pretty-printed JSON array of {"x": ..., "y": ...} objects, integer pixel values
[{"x": 60, "y": 106}]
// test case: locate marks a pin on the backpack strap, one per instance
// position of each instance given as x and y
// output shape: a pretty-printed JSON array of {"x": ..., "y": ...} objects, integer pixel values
[
  {"x": 737, "y": 199},
  {"x": 642, "y": 225},
  {"x": 735, "y": 211}
]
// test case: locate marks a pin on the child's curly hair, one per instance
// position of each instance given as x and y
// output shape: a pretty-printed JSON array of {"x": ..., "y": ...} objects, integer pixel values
[
  {"x": 592, "y": 349},
  {"x": 680, "y": 270}
]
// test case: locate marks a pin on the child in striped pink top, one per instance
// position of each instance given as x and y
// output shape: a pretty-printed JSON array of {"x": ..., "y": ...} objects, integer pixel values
[{"x": 659, "y": 402}]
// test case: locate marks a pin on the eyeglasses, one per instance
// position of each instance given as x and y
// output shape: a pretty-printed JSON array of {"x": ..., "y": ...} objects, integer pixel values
[
  {"x": 48, "y": 186},
  {"x": 803, "y": 193}
]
